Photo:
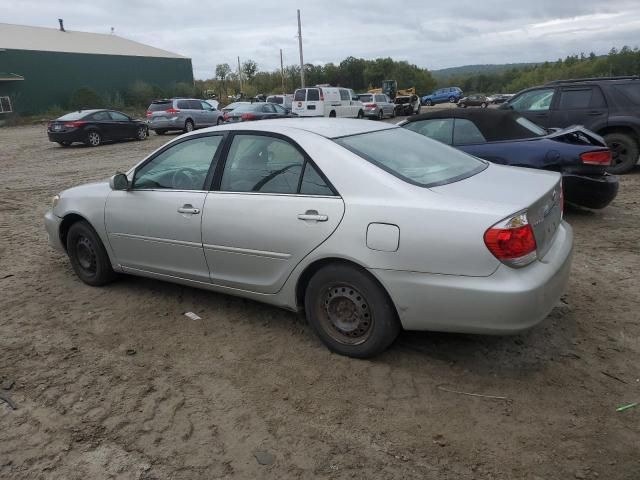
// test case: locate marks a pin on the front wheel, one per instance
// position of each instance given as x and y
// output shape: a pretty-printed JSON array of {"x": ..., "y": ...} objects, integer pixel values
[
  {"x": 93, "y": 139},
  {"x": 428, "y": 103},
  {"x": 483, "y": 105},
  {"x": 141, "y": 133},
  {"x": 452, "y": 99},
  {"x": 624, "y": 152},
  {"x": 350, "y": 311},
  {"x": 219, "y": 121},
  {"x": 88, "y": 256}
]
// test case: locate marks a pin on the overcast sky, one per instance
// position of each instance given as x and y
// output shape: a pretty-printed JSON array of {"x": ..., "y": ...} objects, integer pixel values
[{"x": 430, "y": 34}]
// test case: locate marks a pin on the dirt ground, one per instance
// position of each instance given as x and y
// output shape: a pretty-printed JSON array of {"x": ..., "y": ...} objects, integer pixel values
[{"x": 116, "y": 382}]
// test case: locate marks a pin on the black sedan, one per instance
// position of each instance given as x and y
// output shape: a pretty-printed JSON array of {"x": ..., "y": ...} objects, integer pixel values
[
  {"x": 474, "y": 101},
  {"x": 93, "y": 127},
  {"x": 507, "y": 138},
  {"x": 255, "y": 111}
]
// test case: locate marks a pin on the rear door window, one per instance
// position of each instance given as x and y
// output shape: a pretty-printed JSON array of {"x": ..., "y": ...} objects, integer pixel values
[
  {"x": 465, "y": 132},
  {"x": 381, "y": 98},
  {"x": 184, "y": 104},
  {"x": 195, "y": 105},
  {"x": 631, "y": 91},
  {"x": 578, "y": 98},
  {"x": 534, "y": 100},
  {"x": 344, "y": 95},
  {"x": 101, "y": 117},
  {"x": 299, "y": 96},
  {"x": 118, "y": 117},
  {"x": 313, "y": 95}
]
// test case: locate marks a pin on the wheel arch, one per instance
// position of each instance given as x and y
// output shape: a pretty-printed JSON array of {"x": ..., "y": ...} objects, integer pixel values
[
  {"x": 316, "y": 265},
  {"x": 66, "y": 223},
  {"x": 626, "y": 129}
]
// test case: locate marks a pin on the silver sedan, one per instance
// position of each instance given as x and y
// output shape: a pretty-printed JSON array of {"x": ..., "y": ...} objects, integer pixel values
[{"x": 366, "y": 226}]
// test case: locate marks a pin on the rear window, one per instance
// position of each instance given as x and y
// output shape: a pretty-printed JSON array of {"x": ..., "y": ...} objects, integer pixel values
[
  {"x": 73, "y": 116},
  {"x": 631, "y": 91},
  {"x": 366, "y": 98},
  {"x": 252, "y": 107},
  {"x": 159, "y": 106},
  {"x": 412, "y": 157},
  {"x": 278, "y": 100},
  {"x": 299, "y": 95},
  {"x": 313, "y": 94}
]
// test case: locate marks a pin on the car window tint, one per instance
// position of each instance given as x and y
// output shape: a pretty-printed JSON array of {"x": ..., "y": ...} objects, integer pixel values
[
  {"x": 183, "y": 166},
  {"x": 366, "y": 98},
  {"x": 440, "y": 129},
  {"x": 313, "y": 94},
  {"x": 118, "y": 117},
  {"x": 269, "y": 108},
  {"x": 205, "y": 106},
  {"x": 412, "y": 157},
  {"x": 279, "y": 109},
  {"x": 195, "y": 105},
  {"x": 344, "y": 94},
  {"x": 101, "y": 116},
  {"x": 257, "y": 163},
  {"x": 465, "y": 132},
  {"x": 381, "y": 98},
  {"x": 183, "y": 104},
  {"x": 313, "y": 183},
  {"x": 631, "y": 91},
  {"x": 534, "y": 100},
  {"x": 299, "y": 95},
  {"x": 575, "y": 98}
]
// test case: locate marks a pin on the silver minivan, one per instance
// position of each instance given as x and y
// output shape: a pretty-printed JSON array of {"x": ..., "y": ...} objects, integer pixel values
[{"x": 186, "y": 114}]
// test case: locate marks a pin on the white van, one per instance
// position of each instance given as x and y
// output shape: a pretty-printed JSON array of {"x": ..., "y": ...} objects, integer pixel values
[{"x": 327, "y": 102}]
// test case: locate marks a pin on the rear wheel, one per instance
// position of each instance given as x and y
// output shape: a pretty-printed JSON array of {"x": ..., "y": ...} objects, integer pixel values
[
  {"x": 219, "y": 121},
  {"x": 360, "y": 114},
  {"x": 332, "y": 114},
  {"x": 428, "y": 103},
  {"x": 189, "y": 126},
  {"x": 350, "y": 311},
  {"x": 93, "y": 138},
  {"x": 88, "y": 256},
  {"x": 452, "y": 99},
  {"x": 624, "y": 152},
  {"x": 380, "y": 115}
]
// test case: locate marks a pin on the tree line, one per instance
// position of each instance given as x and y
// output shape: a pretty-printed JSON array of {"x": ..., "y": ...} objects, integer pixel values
[{"x": 625, "y": 61}]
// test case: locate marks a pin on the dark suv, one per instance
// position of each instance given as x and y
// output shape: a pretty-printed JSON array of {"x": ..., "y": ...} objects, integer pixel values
[{"x": 609, "y": 106}]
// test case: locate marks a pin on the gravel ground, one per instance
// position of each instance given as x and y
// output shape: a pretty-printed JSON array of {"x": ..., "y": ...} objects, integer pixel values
[{"x": 116, "y": 382}]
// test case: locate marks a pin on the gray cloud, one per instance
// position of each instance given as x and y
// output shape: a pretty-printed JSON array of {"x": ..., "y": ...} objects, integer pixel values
[{"x": 425, "y": 33}]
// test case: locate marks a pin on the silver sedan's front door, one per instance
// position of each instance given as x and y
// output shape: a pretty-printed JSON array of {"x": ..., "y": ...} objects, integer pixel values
[
  {"x": 265, "y": 218},
  {"x": 155, "y": 226}
]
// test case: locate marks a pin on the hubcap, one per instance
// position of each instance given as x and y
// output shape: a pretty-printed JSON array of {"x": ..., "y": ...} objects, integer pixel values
[
  {"x": 94, "y": 138},
  {"x": 189, "y": 127},
  {"x": 346, "y": 315},
  {"x": 86, "y": 255},
  {"x": 141, "y": 133}
]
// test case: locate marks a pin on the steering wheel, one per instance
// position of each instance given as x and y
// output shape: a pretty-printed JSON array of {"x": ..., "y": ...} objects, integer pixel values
[{"x": 184, "y": 179}]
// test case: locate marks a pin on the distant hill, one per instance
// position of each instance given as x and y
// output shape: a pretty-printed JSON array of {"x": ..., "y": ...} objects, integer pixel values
[{"x": 488, "y": 69}]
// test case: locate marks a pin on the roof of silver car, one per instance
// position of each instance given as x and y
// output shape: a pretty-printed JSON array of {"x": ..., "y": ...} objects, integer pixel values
[{"x": 326, "y": 127}]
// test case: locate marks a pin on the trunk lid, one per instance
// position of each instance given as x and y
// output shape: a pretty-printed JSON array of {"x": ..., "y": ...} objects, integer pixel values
[{"x": 508, "y": 190}]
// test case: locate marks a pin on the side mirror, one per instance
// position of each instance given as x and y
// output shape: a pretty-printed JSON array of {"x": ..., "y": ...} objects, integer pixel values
[{"x": 119, "y": 182}]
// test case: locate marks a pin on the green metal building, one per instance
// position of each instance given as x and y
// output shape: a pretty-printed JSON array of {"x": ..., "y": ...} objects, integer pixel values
[{"x": 42, "y": 67}]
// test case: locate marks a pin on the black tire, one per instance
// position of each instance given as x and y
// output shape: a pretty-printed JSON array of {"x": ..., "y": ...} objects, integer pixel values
[
  {"x": 428, "y": 103},
  {"x": 332, "y": 114},
  {"x": 624, "y": 152},
  {"x": 88, "y": 256},
  {"x": 339, "y": 290},
  {"x": 141, "y": 133},
  {"x": 64, "y": 144},
  {"x": 452, "y": 99},
  {"x": 463, "y": 105},
  {"x": 160, "y": 131},
  {"x": 393, "y": 113},
  {"x": 93, "y": 138},
  {"x": 417, "y": 112},
  {"x": 219, "y": 121},
  {"x": 360, "y": 114},
  {"x": 380, "y": 115},
  {"x": 189, "y": 126},
  {"x": 483, "y": 105}
]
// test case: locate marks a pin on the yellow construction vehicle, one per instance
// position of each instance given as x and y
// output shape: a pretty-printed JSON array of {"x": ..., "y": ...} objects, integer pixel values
[{"x": 390, "y": 88}]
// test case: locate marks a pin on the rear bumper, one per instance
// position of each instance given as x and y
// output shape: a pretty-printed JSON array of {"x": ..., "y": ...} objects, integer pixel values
[
  {"x": 52, "y": 225},
  {"x": 371, "y": 113},
  {"x": 73, "y": 136},
  {"x": 590, "y": 191},
  {"x": 166, "y": 124},
  {"x": 508, "y": 301}
]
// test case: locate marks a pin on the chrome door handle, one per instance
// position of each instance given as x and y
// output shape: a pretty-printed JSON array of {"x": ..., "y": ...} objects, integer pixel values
[
  {"x": 188, "y": 208},
  {"x": 313, "y": 215}
]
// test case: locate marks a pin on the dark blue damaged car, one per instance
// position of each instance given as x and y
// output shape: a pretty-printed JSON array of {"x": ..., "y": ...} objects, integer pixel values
[{"x": 507, "y": 138}]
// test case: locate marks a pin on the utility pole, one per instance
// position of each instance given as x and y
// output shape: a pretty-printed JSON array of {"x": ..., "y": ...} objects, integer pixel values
[
  {"x": 300, "y": 46},
  {"x": 239, "y": 74},
  {"x": 284, "y": 90}
]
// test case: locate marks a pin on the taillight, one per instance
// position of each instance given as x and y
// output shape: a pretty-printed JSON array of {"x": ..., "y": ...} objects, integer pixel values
[
  {"x": 512, "y": 241},
  {"x": 248, "y": 116},
  {"x": 371, "y": 105},
  {"x": 149, "y": 113},
  {"x": 561, "y": 199},
  {"x": 321, "y": 96},
  {"x": 225, "y": 116},
  {"x": 601, "y": 157},
  {"x": 75, "y": 124},
  {"x": 172, "y": 110}
]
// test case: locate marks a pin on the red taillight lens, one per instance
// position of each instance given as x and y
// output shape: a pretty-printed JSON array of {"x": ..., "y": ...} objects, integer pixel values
[
  {"x": 601, "y": 157},
  {"x": 75, "y": 124},
  {"x": 248, "y": 116},
  {"x": 172, "y": 110},
  {"x": 149, "y": 112},
  {"x": 225, "y": 116},
  {"x": 371, "y": 105},
  {"x": 512, "y": 241}
]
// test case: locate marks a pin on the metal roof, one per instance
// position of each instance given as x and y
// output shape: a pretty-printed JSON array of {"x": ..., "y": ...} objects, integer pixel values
[{"x": 21, "y": 37}]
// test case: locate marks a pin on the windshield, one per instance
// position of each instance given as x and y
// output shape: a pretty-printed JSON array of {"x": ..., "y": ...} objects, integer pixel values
[
  {"x": 412, "y": 157},
  {"x": 532, "y": 127},
  {"x": 366, "y": 98}
]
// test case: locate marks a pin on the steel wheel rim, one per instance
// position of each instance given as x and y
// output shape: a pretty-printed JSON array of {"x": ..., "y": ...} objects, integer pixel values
[
  {"x": 189, "y": 127},
  {"x": 86, "y": 255},
  {"x": 141, "y": 133},
  {"x": 345, "y": 315},
  {"x": 94, "y": 138}
]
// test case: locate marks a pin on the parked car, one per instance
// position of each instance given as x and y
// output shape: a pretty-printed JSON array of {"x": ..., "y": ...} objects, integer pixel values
[
  {"x": 377, "y": 106},
  {"x": 213, "y": 103},
  {"x": 184, "y": 114},
  {"x": 499, "y": 98},
  {"x": 255, "y": 111},
  {"x": 609, "y": 106},
  {"x": 443, "y": 95},
  {"x": 309, "y": 214},
  {"x": 474, "y": 101},
  {"x": 93, "y": 127},
  {"x": 285, "y": 101},
  {"x": 327, "y": 102},
  {"x": 234, "y": 105},
  {"x": 507, "y": 138},
  {"x": 407, "y": 105}
]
